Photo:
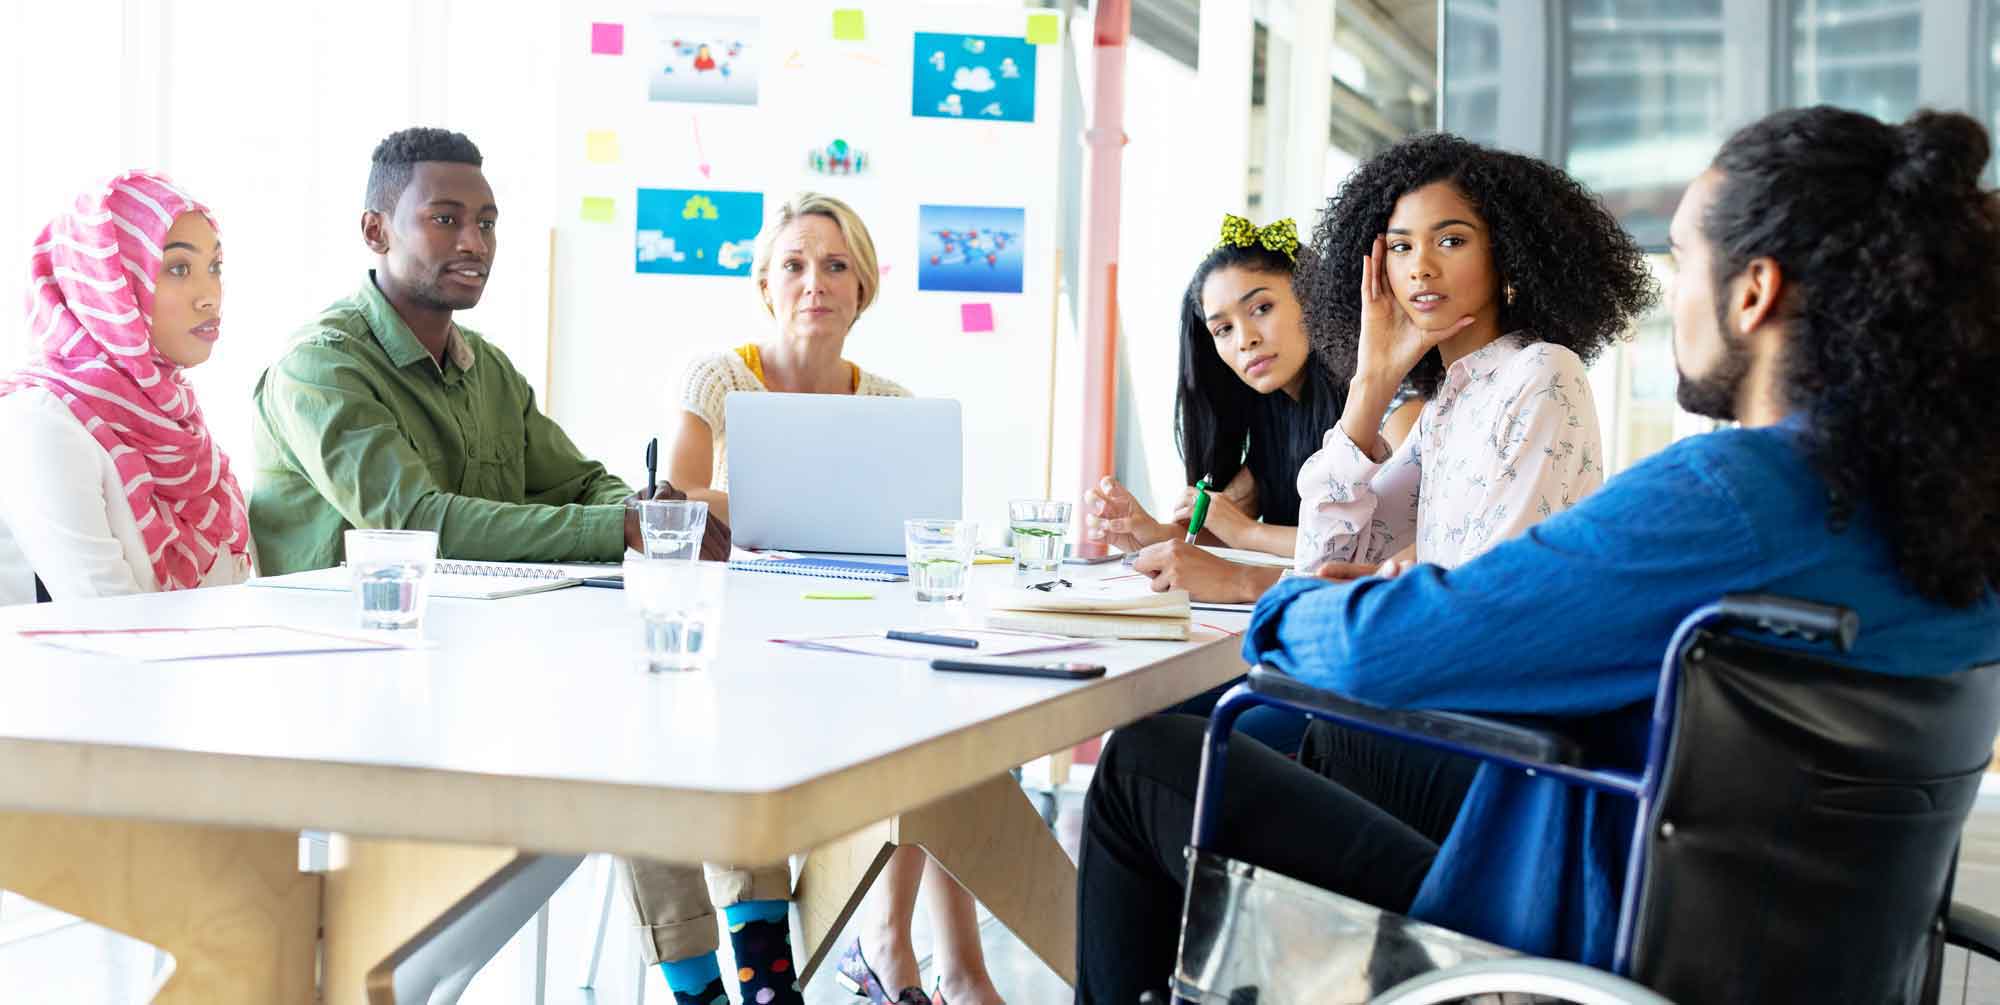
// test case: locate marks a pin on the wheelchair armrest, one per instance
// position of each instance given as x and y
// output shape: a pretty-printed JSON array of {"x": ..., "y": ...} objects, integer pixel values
[
  {"x": 1787, "y": 616},
  {"x": 1972, "y": 929},
  {"x": 1520, "y": 740}
]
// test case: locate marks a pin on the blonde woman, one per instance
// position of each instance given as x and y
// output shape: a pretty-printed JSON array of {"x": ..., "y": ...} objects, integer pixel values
[{"x": 816, "y": 272}]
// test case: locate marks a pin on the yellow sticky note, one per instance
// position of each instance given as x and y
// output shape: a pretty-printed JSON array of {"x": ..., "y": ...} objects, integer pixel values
[
  {"x": 601, "y": 146},
  {"x": 849, "y": 25},
  {"x": 1044, "y": 29},
  {"x": 598, "y": 209}
]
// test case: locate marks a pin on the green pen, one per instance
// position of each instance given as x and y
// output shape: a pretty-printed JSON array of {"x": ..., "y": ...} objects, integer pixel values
[{"x": 1200, "y": 509}]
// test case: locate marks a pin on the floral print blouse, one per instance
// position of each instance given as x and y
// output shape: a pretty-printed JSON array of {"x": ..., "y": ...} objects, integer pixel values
[{"x": 1510, "y": 438}]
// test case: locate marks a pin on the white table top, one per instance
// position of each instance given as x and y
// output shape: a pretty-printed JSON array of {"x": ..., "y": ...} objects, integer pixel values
[{"x": 529, "y": 722}]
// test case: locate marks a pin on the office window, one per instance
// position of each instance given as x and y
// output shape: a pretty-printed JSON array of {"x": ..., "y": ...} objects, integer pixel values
[
  {"x": 1644, "y": 108},
  {"x": 1470, "y": 70},
  {"x": 1860, "y": 54},
  {"x": 1992, "y": 76}
]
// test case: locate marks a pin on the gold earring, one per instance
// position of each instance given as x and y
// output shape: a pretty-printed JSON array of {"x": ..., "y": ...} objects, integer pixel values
[{"x": 1510, "y": 294}]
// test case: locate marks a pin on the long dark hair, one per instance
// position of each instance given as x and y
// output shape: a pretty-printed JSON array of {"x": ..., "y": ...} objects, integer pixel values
[
  {"x": 1579, "y": 280},
  {"x": 1224, "y": 425},
  {"x": 1892, "y": 250}
]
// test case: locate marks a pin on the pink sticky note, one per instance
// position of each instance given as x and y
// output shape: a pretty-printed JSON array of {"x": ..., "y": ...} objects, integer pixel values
[
  {"x": 607, "y": 39},
  {"x": 975, "y": 317}
]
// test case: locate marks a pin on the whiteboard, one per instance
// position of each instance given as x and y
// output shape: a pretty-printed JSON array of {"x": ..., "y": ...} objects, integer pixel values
[{"x": 620, "y": 340}]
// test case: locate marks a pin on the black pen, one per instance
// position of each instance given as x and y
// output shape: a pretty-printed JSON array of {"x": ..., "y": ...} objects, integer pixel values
[
  {"x": 652, "y": 466},
  {"x": 935, "y": 640}
]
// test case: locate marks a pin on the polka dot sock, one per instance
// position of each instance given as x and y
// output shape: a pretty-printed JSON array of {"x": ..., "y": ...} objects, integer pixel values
[
  {"x": 696, "y": 980},
  {"x": 760, "y": 935}
]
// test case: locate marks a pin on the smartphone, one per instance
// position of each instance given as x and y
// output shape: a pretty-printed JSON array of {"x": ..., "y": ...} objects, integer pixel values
[{"x": 1059, "y": 671}]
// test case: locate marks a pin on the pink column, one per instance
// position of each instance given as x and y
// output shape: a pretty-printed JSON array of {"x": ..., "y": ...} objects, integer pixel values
[{"x": 1105, "y": 139}]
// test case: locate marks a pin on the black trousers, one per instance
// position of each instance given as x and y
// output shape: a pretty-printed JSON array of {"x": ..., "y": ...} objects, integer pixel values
[{"x": 1356, "y": 814}]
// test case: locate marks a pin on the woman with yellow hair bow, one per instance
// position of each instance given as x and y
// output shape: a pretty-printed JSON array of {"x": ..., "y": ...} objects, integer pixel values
[
  {"x": 1254, "y": 398},
  {"x": 1253, "y": 401}
]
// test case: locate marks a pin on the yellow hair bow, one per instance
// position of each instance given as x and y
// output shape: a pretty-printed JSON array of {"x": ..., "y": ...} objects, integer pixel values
[{"x": 1281, "y": 236}]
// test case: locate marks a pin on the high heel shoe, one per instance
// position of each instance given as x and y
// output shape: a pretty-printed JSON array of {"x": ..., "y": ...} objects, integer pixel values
[{"x": 854, "y": 974}]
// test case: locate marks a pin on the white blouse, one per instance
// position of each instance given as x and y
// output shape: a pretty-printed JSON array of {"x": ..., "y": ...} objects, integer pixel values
[
  {"x": 64, "y": 517},
  {"x": 1510, "y": 438}
]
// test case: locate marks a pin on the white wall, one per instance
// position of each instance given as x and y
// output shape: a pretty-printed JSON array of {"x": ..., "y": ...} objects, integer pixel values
[
  {"x": 269, "y": 113},
  {"x": 624, "y": 338}
]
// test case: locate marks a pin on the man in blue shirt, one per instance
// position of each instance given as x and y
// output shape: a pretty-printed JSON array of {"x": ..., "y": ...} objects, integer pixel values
[{"x": 1838, "y": 295}]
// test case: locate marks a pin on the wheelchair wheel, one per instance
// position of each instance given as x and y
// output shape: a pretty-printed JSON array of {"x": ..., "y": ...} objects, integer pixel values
[{"x": 1539, "y": 981}]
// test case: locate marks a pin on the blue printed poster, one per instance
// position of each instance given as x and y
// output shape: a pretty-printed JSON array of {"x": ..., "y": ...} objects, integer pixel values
[
  {"x": 694, "y": 232},
  {"x": 970, "y": 249},
  {"x": 985, "y": 77}
]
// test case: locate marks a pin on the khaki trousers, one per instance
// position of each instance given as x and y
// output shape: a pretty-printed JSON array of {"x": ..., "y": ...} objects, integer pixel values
[{"x": 675, "y": 905}]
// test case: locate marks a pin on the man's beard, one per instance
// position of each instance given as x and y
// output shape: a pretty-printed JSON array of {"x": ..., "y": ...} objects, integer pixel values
[
  {"x": 1714, "y": 394},
  {"x": 431, "y": 294}
]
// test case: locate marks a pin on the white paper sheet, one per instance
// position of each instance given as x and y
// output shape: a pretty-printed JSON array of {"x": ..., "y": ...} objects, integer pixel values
[{"x": 159, "y": 645}]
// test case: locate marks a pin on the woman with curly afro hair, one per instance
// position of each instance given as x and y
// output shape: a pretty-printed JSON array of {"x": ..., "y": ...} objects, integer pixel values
[{"x": 1487, "y": 281}]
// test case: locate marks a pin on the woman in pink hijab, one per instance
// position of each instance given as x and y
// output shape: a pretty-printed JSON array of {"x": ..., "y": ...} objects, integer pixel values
[{"x": 112, "y": 483}]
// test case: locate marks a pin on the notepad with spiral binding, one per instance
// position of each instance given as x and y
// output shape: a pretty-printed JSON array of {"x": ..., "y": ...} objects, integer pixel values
[
  {"x": 458, "y": 578},
  {"x": 825, "y": 568}
]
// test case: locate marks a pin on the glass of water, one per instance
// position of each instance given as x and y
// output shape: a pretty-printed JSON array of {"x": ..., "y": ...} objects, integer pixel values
[
  {"x": 940, "y": 553},
  {"x": 1041, "y": 532},
  {"x": 671, "y": 528},
  {"x": 391, "y": 573},
  {"x": 680, "y": 610}
]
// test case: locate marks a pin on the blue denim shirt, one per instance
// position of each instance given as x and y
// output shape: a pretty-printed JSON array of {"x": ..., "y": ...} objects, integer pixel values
[{"x": 1574, "y": 618}]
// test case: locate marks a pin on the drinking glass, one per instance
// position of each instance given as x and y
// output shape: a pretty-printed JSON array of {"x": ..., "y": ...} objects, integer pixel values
[
  {"x": 391, "y": 574},
  {"x": 940, "y": 553},
  {"x": 671, "y": 528},
  {"x": 1041, "y": 533},
  {"x": 680, "y": 610}
]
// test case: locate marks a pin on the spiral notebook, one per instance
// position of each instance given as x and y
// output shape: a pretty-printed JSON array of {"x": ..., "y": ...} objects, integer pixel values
[
  {"x": 825, "y": 568},
  {"x": 458, "y": 578}
]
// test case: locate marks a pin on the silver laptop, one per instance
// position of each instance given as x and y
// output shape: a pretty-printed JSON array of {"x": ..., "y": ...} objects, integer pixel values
[{"x": 840, "y": 473}]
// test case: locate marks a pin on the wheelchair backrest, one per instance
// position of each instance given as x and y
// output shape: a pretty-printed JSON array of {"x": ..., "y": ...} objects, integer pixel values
[{"x": 1808, "y": 820}]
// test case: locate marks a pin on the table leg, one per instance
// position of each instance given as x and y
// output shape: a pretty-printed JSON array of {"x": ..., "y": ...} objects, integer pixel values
[
  {"x": 832, "y": 883},
  {"x": 408, "y": 921},
  {"x": 230, "y": 905},
  {"x": 988, "y": 837}
]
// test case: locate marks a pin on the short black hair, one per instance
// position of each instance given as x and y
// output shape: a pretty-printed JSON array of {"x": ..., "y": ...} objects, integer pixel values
[
  {"x": 1580, "y": 281},
  {"x": 397, "y": 156},
  {"x": 1891, "y": 245}
]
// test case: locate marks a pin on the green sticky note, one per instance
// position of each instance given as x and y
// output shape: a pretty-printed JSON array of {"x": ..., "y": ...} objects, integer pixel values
[
  {"x": 597, "y": 209},
  {"x": 849, "y": 25},
  {"x": 1044, "y": 29}
]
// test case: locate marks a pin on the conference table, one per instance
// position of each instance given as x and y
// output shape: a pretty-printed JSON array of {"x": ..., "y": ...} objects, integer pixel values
[{"x": 466, "y": 775}]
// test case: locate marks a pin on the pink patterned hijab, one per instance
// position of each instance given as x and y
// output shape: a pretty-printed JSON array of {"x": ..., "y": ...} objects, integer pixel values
[{"x": 90, "y": 315}]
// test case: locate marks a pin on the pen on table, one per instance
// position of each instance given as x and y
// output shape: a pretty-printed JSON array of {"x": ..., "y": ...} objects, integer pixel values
[
  {"x": 1200, "y": 509},
  {"x": 836, "y": 595},
  {"x": 652, "y": 465},
  {"x": 934, "y": 640}
]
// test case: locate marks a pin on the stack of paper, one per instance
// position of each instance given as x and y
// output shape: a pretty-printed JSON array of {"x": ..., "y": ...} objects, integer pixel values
[{"x": 1120, "y": 608}]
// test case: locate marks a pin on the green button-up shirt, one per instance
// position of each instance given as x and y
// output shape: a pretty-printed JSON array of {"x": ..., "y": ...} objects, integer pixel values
[{"x": 358, "y": 426}]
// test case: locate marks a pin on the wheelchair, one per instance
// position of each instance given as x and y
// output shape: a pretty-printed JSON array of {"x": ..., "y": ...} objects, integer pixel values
[{"x": 1796, "y": 837}]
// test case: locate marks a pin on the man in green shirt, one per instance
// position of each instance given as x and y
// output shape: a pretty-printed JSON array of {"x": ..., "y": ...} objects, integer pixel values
[{"x": 382, "y": 413}]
